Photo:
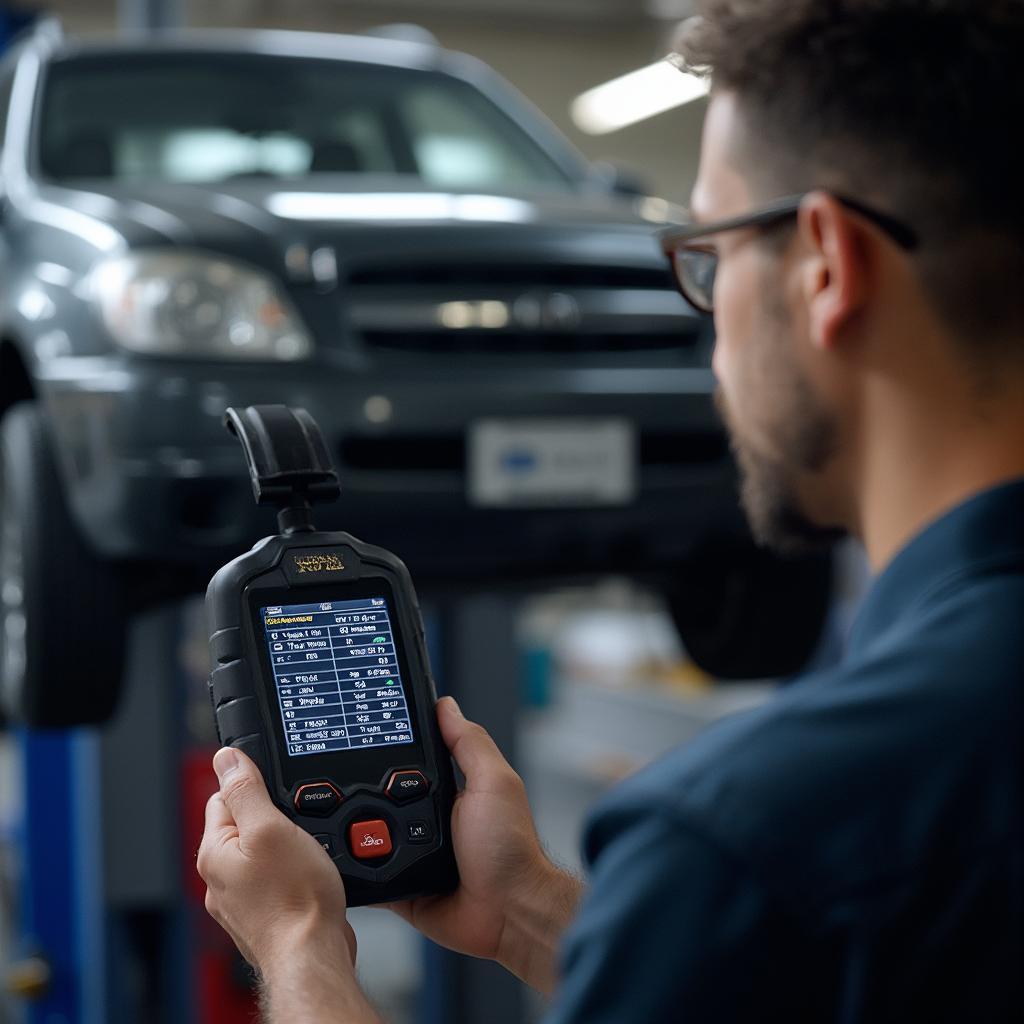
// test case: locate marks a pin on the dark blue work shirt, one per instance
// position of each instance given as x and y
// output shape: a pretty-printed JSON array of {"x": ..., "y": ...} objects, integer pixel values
[{"x": 850, "y": 852}]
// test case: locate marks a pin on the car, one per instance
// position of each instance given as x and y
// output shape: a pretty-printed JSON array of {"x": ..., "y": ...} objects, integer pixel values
[{"x": 388, "y": 235}]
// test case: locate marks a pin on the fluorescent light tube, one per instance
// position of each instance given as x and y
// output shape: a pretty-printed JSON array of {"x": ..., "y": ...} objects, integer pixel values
[{"x": 636, "y": 97}]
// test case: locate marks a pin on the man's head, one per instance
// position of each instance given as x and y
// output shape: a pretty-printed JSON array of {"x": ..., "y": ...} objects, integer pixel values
[{"x": 905, "y": 106}]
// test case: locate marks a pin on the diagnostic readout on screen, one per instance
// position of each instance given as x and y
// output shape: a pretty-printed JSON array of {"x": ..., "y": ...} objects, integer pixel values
[{"x": 336, "y": 675}]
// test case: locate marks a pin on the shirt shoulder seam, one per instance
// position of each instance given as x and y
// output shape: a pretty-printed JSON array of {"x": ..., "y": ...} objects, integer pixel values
[{"x": 978, "y": 567}]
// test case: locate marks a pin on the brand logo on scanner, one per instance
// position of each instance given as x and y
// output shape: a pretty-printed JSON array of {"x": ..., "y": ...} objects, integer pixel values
[
  {"x": 318, "y": 563},
  {"x": 370, "y": 840}
]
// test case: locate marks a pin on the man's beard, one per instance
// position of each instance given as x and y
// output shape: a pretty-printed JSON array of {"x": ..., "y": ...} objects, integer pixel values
[{"x": 806, "y": 438}]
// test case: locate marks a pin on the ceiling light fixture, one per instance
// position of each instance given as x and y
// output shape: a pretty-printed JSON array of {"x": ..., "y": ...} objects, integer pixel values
[{"x": 636, "y": 97}]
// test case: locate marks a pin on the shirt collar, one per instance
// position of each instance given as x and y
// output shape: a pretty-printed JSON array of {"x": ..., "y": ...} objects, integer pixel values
[{"x": 987, "y": 529}]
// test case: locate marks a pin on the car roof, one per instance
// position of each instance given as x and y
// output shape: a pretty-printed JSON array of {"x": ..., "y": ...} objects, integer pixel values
[{"x": 367, "y": 49}]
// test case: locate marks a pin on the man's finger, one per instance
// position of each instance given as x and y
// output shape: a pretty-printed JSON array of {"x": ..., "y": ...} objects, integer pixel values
[
  {"x": 218, "y": 817},
  {"x": 220, "y": 827},
  {"x": 242, "y": 788},
  {"x": 476, "y": 754}
]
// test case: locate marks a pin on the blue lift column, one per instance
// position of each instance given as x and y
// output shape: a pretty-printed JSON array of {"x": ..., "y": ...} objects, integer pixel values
[
  {"x": 61, "y": 904},
  {"x": 96, "y": 834}
]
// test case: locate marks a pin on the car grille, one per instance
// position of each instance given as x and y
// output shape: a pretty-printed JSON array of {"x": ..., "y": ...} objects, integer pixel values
[
  {"x": 505, "y": 342},
  {"x": 510, "y": 309},
  {"x": 520, "y": 276}
]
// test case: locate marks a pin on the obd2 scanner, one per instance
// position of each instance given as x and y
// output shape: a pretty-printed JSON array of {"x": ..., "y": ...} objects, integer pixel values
[{"x": 320, "y": 675}]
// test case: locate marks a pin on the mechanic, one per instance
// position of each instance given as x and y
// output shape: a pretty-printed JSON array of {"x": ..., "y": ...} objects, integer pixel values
[{"x": 853, "y": 850}]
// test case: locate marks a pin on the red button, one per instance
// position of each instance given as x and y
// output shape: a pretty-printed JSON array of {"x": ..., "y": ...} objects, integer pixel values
[{"x": 369, "y": 839}]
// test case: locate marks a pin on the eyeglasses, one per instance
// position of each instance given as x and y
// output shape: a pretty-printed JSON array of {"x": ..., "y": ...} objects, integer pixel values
[{"x": 694, "y": 265}]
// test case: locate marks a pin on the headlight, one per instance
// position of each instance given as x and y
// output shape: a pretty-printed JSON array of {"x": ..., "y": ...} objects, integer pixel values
[{"x": 197, "y": 305}]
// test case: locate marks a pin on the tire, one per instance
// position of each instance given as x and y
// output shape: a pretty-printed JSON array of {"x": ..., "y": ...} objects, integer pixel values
[
  {"x": 63, "y": 619},
  {"x": 752, "y": 615}
]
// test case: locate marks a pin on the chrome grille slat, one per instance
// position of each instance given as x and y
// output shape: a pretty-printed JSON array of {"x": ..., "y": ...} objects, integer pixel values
[
  {"x": 511, "y": 275},
  {"x": 503, "y": 309}
]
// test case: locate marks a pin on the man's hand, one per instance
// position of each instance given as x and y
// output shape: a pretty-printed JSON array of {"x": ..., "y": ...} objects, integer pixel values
[
  {"x": 279, "y": 897},
  {"x": 512, "y": 904}
]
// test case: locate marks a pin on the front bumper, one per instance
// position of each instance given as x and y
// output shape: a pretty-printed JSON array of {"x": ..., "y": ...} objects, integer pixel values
[{"x": 152, "y": 475}]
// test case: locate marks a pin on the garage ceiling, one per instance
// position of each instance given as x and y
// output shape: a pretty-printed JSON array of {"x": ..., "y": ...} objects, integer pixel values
[
  {"x": 595, "y": 14},
  {"x": 590, "y": 11}
]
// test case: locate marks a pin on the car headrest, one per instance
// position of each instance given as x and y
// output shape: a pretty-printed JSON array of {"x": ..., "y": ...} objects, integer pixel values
[{"x": 335, "y": 156}]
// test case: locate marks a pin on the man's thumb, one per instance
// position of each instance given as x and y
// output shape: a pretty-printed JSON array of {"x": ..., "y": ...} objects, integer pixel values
[{"x": 241, "y": 786}]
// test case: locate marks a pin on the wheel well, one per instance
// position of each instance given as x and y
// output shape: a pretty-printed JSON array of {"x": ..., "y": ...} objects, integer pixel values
[{"x": 15, "y": 385}]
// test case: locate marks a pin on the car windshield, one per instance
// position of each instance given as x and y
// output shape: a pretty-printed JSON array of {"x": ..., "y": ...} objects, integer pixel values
[{"x": 204, "y": 117}]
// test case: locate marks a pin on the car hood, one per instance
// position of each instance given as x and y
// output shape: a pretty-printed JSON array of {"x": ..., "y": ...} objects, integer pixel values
[{"x": 261, "y": 219}]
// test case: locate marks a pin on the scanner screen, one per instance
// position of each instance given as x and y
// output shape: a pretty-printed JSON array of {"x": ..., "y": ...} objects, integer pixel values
[{"x": 336, "y": 675}]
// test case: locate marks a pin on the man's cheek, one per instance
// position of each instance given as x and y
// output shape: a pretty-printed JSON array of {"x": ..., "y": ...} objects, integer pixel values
[
  {"x": 717, "y": 360},
  {"x": 723, "y": 359},
  {"x": 732, "y": 316}
]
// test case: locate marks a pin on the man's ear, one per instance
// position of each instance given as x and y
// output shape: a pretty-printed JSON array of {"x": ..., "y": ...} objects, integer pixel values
[{"x": 835, "y": 279}]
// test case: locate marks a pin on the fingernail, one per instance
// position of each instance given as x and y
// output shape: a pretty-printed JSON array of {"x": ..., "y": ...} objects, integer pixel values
[
  {"x": 225, "y": 761},
  {"x": 454, "y": 706}
]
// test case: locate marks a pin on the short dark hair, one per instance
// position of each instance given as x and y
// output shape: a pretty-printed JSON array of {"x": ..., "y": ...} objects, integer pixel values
[{"x": 904, "y": 103}]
